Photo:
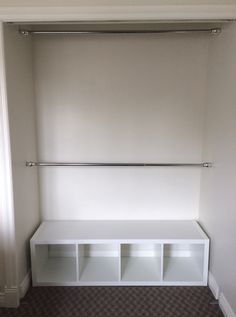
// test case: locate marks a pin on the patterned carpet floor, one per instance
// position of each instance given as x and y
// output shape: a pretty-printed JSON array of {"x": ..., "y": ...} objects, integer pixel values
[{"x": 116, "y": 301}]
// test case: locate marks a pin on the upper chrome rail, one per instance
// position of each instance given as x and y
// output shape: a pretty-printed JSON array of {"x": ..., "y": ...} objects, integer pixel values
[
  {"x": 204, "y": 164},
  {"x": 214, "y": 31}
]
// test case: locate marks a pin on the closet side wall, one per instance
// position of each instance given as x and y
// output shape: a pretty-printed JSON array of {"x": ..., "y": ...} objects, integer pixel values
[
  {"x": 2, "y": 267},
  {"x": 218, "y": 190},
  {"x": 20, "y": 91},
  {"x": 120, "y": 98}
]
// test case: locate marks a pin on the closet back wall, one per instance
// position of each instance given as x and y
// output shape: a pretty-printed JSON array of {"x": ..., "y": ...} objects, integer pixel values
[{"x": 123, "y": 98}]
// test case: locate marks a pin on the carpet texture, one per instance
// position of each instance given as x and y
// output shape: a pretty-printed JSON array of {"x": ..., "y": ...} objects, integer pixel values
[{"x": 116, "y": 301}]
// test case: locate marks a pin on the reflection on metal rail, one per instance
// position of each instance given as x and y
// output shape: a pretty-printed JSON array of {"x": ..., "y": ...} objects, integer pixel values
[
  {"x": 214, "y": 31},
  {"x": 204, "y": 164}
]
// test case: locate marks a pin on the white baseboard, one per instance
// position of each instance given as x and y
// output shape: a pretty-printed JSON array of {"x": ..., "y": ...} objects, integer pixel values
[
  {"x": 223, "y": 303},
  {"x": 225, "y": 306},
  {"x": 11, "y": 297},
  {"x": 25, "y": 284},
  {"x": 2, "y": 299},
  {"x": 213, "y": 286}
]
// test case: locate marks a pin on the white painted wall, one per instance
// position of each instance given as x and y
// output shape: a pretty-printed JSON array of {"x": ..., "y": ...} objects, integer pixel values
[
  {"x": 57, "y": 3},
  {"x": 120, "y": 99},
  {"x": 116, "y": 10},
  {"x": 2, "y": 266},
  {"x": 20, "y": 93},
  {"x": 218, "y": 203},
  {"x": 9, "y": 279}
]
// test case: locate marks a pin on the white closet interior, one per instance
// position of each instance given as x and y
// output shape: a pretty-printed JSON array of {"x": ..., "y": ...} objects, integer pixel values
[{"x": 116, "y": 98}]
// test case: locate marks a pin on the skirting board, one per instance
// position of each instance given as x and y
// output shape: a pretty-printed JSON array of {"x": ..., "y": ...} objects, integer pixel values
[
  {"x": 25, "y": 284},
  {"x": 223, "y": 303},
  {"x": 213, "y": 286},
  {"x": 225, "y": 306},
  {"x": 9, "y": 298},
  {"x": 2, "y": 299}
]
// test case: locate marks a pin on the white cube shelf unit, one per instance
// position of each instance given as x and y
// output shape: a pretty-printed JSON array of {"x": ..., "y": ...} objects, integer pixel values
[
  {"x": 141, "y": 262},
  {"x": 56, "y": 263},
  {"x": 165, "y": 252},
  {"x": 98, "y": 263}
]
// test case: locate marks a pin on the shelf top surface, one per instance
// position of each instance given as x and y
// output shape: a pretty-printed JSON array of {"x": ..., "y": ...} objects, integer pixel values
[{"x": 64, "y": 231}]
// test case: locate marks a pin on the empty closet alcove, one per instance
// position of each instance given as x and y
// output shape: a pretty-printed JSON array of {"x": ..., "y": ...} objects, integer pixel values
[{"x": 133, "y": 94}]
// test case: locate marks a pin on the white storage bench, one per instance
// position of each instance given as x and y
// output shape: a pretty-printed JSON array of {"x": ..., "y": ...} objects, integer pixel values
[{"x": 119, "y": 253}]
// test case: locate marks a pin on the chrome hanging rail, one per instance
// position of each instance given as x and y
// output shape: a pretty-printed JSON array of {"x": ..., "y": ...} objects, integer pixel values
[
  {"x": 214, "y": 31},
  {"x": 205, "y": 164}
]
